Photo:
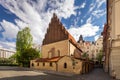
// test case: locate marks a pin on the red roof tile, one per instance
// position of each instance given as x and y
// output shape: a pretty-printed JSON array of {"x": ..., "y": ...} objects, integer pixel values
[{"x": 54, "y": 59}]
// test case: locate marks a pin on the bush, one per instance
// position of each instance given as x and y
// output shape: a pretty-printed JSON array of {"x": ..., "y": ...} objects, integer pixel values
[{"x": 7, "y": 62}]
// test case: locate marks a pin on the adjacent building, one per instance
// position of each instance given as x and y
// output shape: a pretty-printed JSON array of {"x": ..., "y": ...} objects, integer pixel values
[
  {"x": 6, "y": 53},
  {"x": 106, "y": 47},
  {"x": 91, "y": 48},
  {"x": 111, "y": 35}
]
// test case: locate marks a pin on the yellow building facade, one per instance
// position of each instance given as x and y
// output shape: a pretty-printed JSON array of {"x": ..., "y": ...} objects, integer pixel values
[{"x": 60, "y": 51}]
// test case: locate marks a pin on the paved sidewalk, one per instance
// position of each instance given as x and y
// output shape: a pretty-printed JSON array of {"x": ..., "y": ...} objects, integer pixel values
[
  {"x": 96, "y": 74},
  {"x": 20, "y": 73}
]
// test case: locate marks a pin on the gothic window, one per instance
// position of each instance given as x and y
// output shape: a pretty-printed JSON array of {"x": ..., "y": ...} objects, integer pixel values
[
  {"x": 58, "y": 52},
  {"x": 65, "y": 65}
]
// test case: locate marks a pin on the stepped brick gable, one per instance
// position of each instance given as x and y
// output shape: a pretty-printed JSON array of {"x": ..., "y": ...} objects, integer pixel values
[{"x": 56, "y": 32}]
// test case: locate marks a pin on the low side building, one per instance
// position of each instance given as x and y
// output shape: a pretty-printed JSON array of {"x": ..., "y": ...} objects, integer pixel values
[{"x": 60, "y": 64}]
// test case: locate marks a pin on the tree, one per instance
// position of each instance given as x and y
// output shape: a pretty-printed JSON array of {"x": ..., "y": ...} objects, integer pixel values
[
  {"x": 24, "y": 47},
  {"x": 28, "y": 55},
  {"x": 85, "y": 55},
  {"x": 99, "y": 56},
  {"x": 24, "y": 40}
]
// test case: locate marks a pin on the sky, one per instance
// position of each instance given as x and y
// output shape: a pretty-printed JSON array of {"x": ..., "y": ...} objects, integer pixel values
[{"x": 80, "y": 17}]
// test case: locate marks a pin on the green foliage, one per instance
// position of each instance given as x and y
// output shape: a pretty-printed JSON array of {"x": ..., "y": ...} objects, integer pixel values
[
  {"x": 99, "y": 56},
  {"x": 7, "y": 61},
  {"x": 24, "y": 40},
  {"x": 25, "y": 52},
  {"x": 40, "y": 54},
  {"x": 85, "y": 55},
  {"x": 28, "y": 55}
]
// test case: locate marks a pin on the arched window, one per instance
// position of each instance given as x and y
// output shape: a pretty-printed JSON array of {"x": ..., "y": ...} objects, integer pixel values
[
  {"x": 43, "y": 64},
  {"x": 51, "y": 64},
  {"x": 58, "y": 52},
  {"x": 37, "y": 64},
  {"x": 65, "y": 65},
  {"x": 32, "y": 64}
]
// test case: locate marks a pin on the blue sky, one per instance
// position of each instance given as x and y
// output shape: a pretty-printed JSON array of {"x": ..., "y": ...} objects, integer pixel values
[{"x": 85, "y": 17}]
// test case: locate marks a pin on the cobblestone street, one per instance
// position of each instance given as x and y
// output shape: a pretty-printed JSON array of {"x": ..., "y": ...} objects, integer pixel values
[{"x": 16, "y": 73}]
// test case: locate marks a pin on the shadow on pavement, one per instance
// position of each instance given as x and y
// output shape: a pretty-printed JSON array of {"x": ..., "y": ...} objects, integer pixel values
[
  {"x": 96, "y": 74},
  {"x": 38, "y": 77}
]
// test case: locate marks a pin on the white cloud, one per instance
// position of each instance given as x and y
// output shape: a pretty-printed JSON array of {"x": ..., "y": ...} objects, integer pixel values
[
  {"x": 0, "y": 46},
  {"x": 10, "y": 30},
  {"x": 79, "y": 13},
  {"x": 21, "y": 24},
  {"x": 36, "y": 15},
  {"x": 89, "y": 20},
  {"x": 99, "y": 13},
  {"x": 76, "y": 20},
  {"x": 100, "y": 2},
  {"x": 96, "y": 37},
  {"x": 96, "y": 5},
  {"x": 103, "y": 25},
  {"x": 81, "y": 20},
  {"x": 87, "y": 30},
  {"x": 0, "y": 28},
  {"x": 8, "y": 45},
  {"x": 61, "y": 9},
  {"x": 94, "y": 8},
  {"x": 83, "y": 5}
]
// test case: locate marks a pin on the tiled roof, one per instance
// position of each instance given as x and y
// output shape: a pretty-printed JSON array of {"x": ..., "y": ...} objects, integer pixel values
[
  {"x": 54, "y": 59},
  {"x": 73, "y": 41},
  {"x": 71, "y": 38}
]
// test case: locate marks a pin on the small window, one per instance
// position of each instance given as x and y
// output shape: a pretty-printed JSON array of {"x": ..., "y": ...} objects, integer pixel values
[
  {"x": 51, "y": 64},
  {"x": 65, "y": 65},
  {"x": 32, "y": 64},
  {"x": 43, "y": 64},
  {"x": 97, "y": 50},
  {"x": 37, "y": 64},
  {"x": 76, "y": 62},
  {"x": 73, "y": 67},
  {"x": 87, "y": 47}
]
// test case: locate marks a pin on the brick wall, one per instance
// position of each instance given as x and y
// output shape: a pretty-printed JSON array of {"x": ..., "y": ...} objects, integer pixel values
[{"x": 59, "y": 48}]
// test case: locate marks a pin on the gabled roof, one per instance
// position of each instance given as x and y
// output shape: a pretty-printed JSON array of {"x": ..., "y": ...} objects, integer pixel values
[{"x": 57, "y": 32}]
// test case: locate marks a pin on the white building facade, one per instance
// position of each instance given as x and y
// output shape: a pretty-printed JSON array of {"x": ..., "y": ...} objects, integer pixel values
[{"x": 5, "y": 53}]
